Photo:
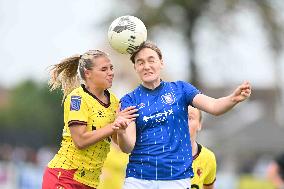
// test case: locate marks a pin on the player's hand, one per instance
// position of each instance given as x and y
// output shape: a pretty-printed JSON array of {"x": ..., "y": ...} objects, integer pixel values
[
  {"x": 120, "y": 124},
  {"x": 242, "y": 92},
  {"x": 124, "y": 118},
  {"x": 128, "y": 113}
]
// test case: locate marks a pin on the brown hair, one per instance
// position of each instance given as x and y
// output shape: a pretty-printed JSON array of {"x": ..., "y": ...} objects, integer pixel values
[
  {"x": 65, "y": 75},
  {"x": 146, "y": 44}
]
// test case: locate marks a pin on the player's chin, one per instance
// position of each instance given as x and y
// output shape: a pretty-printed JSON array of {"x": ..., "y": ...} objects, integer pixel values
[
  {"x": 108, "y": 85},
  {"x": 148, "y": 79}
]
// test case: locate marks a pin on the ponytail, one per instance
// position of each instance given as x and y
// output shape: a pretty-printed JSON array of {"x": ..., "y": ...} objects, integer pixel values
[{"x": 65, "y": 75}]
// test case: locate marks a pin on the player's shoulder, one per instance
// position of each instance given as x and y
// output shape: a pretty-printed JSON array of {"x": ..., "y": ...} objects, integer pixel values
[
  {"x": 172, "y": 84},
  {"x": 208, "y": 152},
  {"x": 179, "y": 84},
  {"x": 75, "y": 97},
  {"x": 77, "y": 92},
  {"x": 132, "y": 94}
]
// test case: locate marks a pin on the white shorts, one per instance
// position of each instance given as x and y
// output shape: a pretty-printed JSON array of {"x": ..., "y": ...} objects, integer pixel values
[{"x": 134, "y": 183}]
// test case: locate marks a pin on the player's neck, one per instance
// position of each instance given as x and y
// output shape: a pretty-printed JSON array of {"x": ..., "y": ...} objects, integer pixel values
[
  {"x": 152, "y": 85},
  {"x": 99, "y": 93},
  {"x": 194, "y": 148}
]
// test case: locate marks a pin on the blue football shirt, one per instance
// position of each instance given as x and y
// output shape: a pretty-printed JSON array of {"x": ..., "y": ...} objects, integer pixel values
[{"x": 162, "y": 150}]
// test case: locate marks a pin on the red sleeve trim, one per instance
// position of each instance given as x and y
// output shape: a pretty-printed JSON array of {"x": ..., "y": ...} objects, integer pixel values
[
  {"x": 210, "y": 183},
  {"x": 76, "y": 123}
]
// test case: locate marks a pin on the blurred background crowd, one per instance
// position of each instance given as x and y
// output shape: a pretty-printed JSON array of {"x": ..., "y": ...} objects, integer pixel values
[{"x": 214, "y": 44}]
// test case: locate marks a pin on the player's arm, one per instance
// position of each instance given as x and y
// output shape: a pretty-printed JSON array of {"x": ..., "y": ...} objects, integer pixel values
[
  {"x": 130, "y": 114},
  {"x": 114, "y": 138},
  {"x": 83, "y": 138},
  {"x": 126, "y": 137},
  {"x": 222, "y": 105}
]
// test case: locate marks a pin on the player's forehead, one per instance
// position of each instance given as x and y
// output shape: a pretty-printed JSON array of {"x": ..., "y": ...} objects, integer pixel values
[
  {"x": 102, "y": 61},
  {"x": 193, "y": 111},
  {"x": 146, "y": 53}
]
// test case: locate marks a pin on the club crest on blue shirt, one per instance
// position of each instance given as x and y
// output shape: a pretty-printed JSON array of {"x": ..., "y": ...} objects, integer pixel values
[
  {"x": 168, "y": 98},
  {"x": 75, "y": 103}
]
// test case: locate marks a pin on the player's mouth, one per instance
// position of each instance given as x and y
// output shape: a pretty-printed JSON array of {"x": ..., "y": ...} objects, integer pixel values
[
  {"x": 148, "y": 74},
  {"x": 109, "y": 80}
]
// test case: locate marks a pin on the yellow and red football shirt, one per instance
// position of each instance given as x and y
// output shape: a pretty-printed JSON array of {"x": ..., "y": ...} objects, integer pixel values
[
  {"x": 204, "y": 167},
  {"x": 83, "y": 108}
]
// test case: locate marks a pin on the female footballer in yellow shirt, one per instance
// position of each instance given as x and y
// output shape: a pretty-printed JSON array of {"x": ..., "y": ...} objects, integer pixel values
[{"x": 89, "y": 116}]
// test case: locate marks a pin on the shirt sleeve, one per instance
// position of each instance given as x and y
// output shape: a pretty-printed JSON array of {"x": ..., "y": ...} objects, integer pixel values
[
  {"x": 78, "y": 111},
  {"x": 189, "y": 91},
  {"x": 126, "y": 101},
  {"x": 211, "y": 177}
]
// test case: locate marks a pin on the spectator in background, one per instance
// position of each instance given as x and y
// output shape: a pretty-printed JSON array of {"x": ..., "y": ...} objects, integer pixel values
[{"x": 275, "y": 172}]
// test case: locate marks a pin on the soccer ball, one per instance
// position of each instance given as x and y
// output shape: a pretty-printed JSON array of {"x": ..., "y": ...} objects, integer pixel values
[{"x": 126, "y": 33}]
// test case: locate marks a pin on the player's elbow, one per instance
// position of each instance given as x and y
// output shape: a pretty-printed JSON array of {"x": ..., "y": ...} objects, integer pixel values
[
  {"x": 80, "y": 145},
  {"x": 216, "y": 113},
  {"x": 126, "y": 148},
  {"x": 126, "y": 151},
  {"x": 215, "y": 110}
]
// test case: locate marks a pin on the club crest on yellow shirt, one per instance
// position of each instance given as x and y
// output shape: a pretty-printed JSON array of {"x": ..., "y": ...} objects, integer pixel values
[
  {"x": 199, "y": 171},
  {"x": 75, "y": 103}
]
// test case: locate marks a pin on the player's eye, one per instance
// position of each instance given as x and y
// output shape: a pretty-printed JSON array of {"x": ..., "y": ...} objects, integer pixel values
[{"x": 140, "y": 63}]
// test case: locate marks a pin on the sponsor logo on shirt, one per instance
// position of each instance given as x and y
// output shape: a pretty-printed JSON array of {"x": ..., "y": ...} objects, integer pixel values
[
  {"x": 159, "y": 117},
  {"x": 140, "y": 106}
]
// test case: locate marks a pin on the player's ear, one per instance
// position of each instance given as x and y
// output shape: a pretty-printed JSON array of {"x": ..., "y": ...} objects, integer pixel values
[
  {"x": 87, "y": 73},
  {"x": 162, "y": 63},
  {"x": 199, "y": 127}
]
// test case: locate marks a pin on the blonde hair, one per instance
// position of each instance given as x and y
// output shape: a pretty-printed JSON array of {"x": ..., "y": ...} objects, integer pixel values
[{"x": 65, "y": 73}]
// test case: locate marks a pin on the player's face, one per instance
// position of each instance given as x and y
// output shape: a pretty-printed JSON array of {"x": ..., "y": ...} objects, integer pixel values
[
  {"x": 101, "y": 75},
  {"x": 148, "y": 65},
  {"x": 193, "y": 121}
]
